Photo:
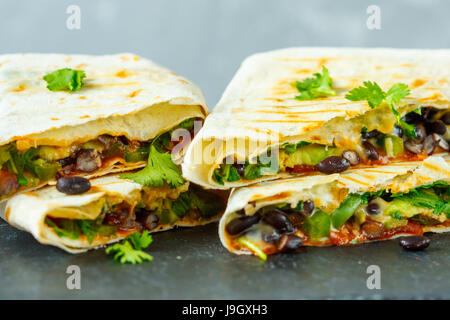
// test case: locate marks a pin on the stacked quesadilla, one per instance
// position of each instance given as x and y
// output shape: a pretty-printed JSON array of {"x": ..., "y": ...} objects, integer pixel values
[
  {"x": 329, "y": 146},
  {"x": 69, "y": 118}
]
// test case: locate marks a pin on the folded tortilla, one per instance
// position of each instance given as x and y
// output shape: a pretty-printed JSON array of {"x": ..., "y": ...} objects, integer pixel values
[
  {"x": 359, "y": 205},
  {"x": 259, "y": 112},
  {"x": 111, "y": 210},
  {"x": 123, "y": 96}
]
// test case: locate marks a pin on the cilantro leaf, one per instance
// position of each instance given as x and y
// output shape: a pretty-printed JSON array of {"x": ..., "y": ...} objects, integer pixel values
[
  {"x": 160, "y": 168},
  {"x": 124, "y": 252},
  {"x": 371, "y": 92},
  {"x": 374, "y": 95},
  {"x": 140, "y": 240},
  {"x": 312, "y": 88},
  {"x": 396, "y": 93},
  {"x": 65, "y": 79}
]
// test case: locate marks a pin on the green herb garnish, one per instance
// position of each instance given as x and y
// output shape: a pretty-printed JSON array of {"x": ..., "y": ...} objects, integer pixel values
[
  {"x": 125, "y": 252},
  {"x": 374, "y": 95},
  {"x": 312, "y": 88},
  {"x": 65, "y": 79},
  {"x": 160, "y": 169}
]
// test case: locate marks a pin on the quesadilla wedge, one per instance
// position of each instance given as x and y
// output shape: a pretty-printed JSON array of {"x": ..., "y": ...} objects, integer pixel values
[
  {"x": 110, "y": 211},
  {"x": 113, "y": 110},
  {"x": 307, "y": 110},
  {"x": 359, "y": 205}
]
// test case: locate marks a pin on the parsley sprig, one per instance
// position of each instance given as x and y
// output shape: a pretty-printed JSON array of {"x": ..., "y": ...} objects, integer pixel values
[
  {"x": 65, "y": 79},
  {"x": 127, "y": 252},
  {"x": 312, "y": 88},
  {"x": 374, "y": 95}
]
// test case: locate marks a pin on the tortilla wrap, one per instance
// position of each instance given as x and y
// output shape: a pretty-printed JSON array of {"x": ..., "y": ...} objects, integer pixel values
[
  {"x": 122, "y": 95},
  {"x": 328, "y": 192},
  {"x": 28, "y": 211},
  {"x": 258, "y": 109}
]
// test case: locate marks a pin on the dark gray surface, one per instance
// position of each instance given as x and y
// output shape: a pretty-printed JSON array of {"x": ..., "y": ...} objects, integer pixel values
[
  {"x": 192, "y": 264},
  {"x": 206, "y": 40}
]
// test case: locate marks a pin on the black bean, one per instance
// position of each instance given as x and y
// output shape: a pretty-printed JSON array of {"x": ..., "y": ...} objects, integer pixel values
[
  {"x": 373, "y": 208},
  {"x": 308, "y": 206},
  {"x": 429, "y": 145},
  {"x": 428, "y": 113},
  {"x": 387, "y": 197},
  {"x": 440, "y": 141},
  {"x": 237, "y": 225},
  {"x": 372, "y": 229},
  {"x": 413, "y": 117},
  {"x": 371, "y": 152},
  {"x": 333, "y": 164},
  {"x": 351, "y": 156},
  {"x": 413, "y": 146},
  {"x": 66, "y": 161},
  {"x": 279, "y": 221},
  {"x": 437, "y": 126},
  {"x": 289, "y": 243},
  {"x": 414, "y": 243},
  {"x": 370, "y": 134},
  {"x": 240, "y": 169},
  {"x": 88, "y": 160},
  {"x": 446, "y": 118},
  {"x": 73, "y": 185},
  {"x": 149, "y": 220},
  {"x": 398, "y": 131},
  {"x": 421, "y": 133},
  {"x": 271, "y": 237}
]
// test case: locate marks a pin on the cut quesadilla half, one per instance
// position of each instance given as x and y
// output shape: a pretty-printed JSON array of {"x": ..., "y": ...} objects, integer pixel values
[
  {"x": 110, "y": 211},
  {"x": 359, "y": 205},
  {"x": 308, "y": 110},
  {"x": 106, "y": 120}
]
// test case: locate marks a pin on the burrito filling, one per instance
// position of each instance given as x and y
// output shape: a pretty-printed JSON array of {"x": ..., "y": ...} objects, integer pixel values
[
  {"x": 431, "y": 135},
  {"x": 20, "y": 169},
  {"x": 358, "y": 218},
  {"x": 151, "y": 209}
]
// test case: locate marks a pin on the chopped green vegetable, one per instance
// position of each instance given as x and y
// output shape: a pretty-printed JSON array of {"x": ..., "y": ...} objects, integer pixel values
[
  {"x": 312, "y": 88},
  {"x": 253, "y": 247},
  {"x": 207, "y": 203},
  {"x": 310, "y": 154},
  {"x": 69, "y": 229},
  {"x": 182, "y": 204},
  {"x": 317, "y": 225},
  {"x": 393, "y": 145},
  {"x": 346, "y": 209},
  {"x": 160, "y": 169},
  {"x": 188, "y": 124},
  {"x": 74, "y": 228},
  {"x": 140, "y": 154},
  {"x": 396, "y": 215},
  {"x": 65, "y": 79}
]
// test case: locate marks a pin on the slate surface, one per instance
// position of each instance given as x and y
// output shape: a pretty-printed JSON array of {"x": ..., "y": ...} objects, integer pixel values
[
  {"x": 206, "y": 41},
  {"x": 192, "y": 264}
]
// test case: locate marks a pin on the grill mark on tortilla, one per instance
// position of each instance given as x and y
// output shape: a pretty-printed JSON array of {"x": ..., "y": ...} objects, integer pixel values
[
  {"x": 356, "y": 181},
  {"x": 435, "y": 168},
  {"x": 104, "y": 85},
  {"x": 281, "y": 121}
]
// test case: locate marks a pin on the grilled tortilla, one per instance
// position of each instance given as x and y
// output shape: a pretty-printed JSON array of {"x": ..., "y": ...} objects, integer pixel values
[
  {"x": 124, "y": 103},
  {"x": 259, "y": 112},
  {"x": 359, "y": 205},
  {"x": 111, "y": 210}
]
